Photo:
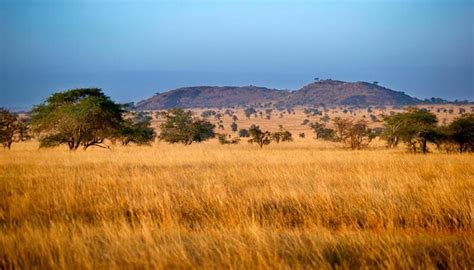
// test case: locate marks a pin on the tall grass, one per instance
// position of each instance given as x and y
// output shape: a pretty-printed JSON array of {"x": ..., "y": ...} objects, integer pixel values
[{"x": 301, "y": 205}]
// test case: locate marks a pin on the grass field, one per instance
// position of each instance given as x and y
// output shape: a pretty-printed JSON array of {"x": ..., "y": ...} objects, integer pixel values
[{"x": 305, "y": 204}]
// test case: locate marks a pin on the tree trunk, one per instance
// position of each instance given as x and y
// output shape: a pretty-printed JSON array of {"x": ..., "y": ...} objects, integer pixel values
[{"x": 424, "y": 146}]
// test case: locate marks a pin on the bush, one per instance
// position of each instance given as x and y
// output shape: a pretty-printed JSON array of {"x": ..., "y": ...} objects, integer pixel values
[
  {"x": 233, "y": 127},
  {"x": 222, "y": 138},
  {"x": 244, "y": 133}
]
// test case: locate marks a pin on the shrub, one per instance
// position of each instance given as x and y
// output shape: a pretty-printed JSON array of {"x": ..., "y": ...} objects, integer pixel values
[{"x": 244, "y": 133}]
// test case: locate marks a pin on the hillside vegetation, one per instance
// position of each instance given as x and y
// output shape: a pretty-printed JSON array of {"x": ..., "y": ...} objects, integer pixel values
[{"x": 329, "y": 92}]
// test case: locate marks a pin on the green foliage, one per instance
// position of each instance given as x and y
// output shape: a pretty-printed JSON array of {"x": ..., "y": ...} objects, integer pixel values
[
  {"x": 312, "y": 112},
  {"x": 137, "y": 130},
  {"x": 354, "y": 134},
  {"x": 325, "y": 118},
  {"x": 208, "y": 113},
  {"x": 12, "y": 128},
  {"x": 244, "y": 133},
  {"x": 415, "y": 127},
  {"x": 258, "y": 136},
  {"x": 305, "y": 122},
  {"x": 282, "y": 135},
  {"x": 233, "y": 127},
  {"x": 249, "y": 111},
  {"x": 461, "y": 133},
  {"x": 78, "y": 117},
  {"x": 181, "y": 127},
  {"x": 322, "y": 132}
]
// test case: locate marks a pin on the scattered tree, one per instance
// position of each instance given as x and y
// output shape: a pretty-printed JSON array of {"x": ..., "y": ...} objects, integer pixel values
[
  {"x": 208, "y": 113},
  {"x": 78, "y": 117},
  {"x": 258, "y": 136},
  {"x": 354, "y": 134},
  {"x": 249, "y": 111},
  {"x": 325, "y": 118},
  {"x": 416, "y": 128},
  {"x": 137, "y": 130},
  {"x": 322, "y": 132},
  {"x": 282, "y": 135},
  {"x": 244, "y": 133},
  {"x": 181, "y": 127},
  {"x": 12, "y": 128},
  {"x": 233, "y": 127},
  {"x": 461, "y": 132}
]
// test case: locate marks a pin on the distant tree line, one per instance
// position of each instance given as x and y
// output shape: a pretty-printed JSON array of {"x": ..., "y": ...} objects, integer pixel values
[
  {"x": 86, "y": 117},
  {"x": 416, "y": 128}
]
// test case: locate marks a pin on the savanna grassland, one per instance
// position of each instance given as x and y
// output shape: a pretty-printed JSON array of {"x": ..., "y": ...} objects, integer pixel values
[{"x": 305, "y": 204}]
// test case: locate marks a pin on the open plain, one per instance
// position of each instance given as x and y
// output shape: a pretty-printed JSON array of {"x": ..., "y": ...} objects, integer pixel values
[{"x": 304, "y": 204}]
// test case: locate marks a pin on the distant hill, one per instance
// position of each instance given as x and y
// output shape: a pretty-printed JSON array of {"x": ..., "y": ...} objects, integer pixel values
[
  {"x": 348, "y": 93},
  {"x": 329, "y": 92}
]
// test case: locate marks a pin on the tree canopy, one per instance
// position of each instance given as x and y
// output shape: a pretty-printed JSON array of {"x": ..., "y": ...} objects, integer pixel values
[
  {"x": 182, "y": 127},
  {"x": 355, "y": 134},
  {"x": 258, "y": 136},
  {"x": 460, "y": 132},
  {"x": 415, "y": 127},
  {"x": 78, "y": 117},
  {"x": 12, "y": 128},
  {"x": 137, "y": 130},
  {"x": 282, "y": 135}
]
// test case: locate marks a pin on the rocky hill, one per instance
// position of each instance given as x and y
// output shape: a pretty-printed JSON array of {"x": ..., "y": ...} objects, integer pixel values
[
  {"x": 348, "y": 93},
  {"x": 329, "y": 92}
]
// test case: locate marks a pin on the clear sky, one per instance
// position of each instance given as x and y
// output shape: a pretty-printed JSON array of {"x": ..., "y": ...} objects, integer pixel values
[{"x": 133, "y": 49}]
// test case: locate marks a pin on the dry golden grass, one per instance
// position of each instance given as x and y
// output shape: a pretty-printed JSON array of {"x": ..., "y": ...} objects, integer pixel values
[{"x": 305, "y": 204}]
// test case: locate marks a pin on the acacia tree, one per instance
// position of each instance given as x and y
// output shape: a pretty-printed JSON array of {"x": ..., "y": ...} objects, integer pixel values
[
  {"x": 182, "y": 127},
  {"x": 282, "y": 135},
  {"x": 258, "y": 136},
  {"x": 354, "y": 134},
  {"x": 461, "y": 132},
  {"x": 12, "y": 128},
  {"x": 392, "y": 129},
  {"x": 233, "y": 127},
  {"x": 322, "y": 132},
  {"x": 415, "y": 127},
  {"x": 137, "y": 130},
  {"x": 78, "y": 117}
]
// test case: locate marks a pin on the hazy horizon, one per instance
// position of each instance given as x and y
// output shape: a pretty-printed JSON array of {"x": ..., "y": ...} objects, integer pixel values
[{"x": 134, "y": 49}]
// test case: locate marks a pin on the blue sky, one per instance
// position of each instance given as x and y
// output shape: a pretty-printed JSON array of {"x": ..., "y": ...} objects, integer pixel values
[{"x": 133, "y": 49}]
